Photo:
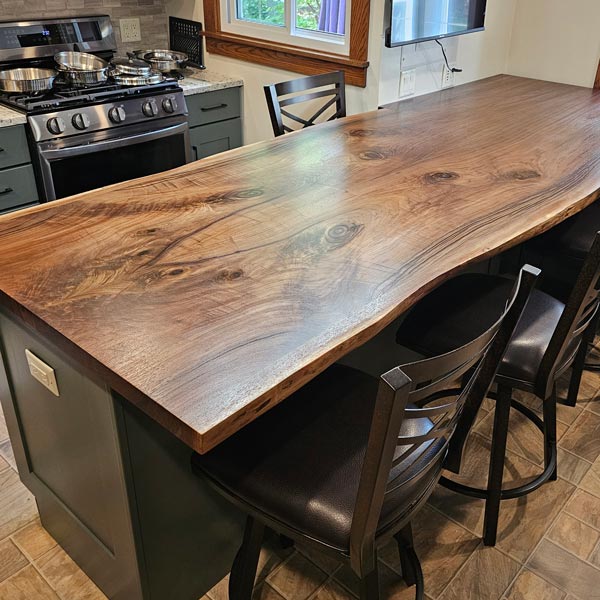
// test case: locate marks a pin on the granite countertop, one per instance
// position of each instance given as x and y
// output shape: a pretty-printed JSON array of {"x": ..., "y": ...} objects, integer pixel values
[
  {"x": 195, "y": 82},
  {"x": 10, "y": 117},
  {"x": 200, "y": 81}
]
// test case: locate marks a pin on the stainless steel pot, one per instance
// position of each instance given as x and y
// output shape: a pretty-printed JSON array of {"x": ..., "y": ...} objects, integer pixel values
[
  {"x": 27, "y": 80},
  {"x": 164, "y": 60},
  {"x": 123, "y": 65},
  {"x": 133, "y": 80},
  {"x": 80, "y": 68}
]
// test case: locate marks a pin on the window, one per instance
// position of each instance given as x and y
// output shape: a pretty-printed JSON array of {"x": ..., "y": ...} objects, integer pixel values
[
  {"x": 306, "y": 36},
  {"x": 314, "y": 24}
]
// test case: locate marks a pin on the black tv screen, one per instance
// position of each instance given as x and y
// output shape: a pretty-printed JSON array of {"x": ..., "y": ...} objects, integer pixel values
[{"x": 420, "y": 20}]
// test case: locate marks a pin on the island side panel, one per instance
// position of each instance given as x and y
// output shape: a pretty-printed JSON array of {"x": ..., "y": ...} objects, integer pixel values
[
  {"x": 68, "y": 455},
  {"x": 189, "y": 533}
]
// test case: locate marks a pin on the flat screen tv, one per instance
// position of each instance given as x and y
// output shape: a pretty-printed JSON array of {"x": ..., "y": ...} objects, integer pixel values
[{"x": 414, "y": 21}]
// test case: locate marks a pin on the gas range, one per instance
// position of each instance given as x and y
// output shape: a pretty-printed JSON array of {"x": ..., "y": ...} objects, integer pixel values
[{"x": 86, "y": 137}]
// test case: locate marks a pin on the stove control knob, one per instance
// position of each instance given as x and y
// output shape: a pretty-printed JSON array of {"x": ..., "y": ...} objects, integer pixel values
[
  {"x": 150, "y": 109},
  {"x": 56, "y": 125},
  {"x": 116, "y": 114},
  {"x": 169, "y": 105},
  {"x": 80, "y": 121}
]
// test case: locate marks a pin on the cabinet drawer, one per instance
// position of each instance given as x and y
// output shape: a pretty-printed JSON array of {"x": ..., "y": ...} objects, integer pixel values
[
  {"x": 211, "y": 139},
  {"x": 213, "y": 106},
  {"x": 17, "y": 188},
  {"x": 13, "y": 146}
]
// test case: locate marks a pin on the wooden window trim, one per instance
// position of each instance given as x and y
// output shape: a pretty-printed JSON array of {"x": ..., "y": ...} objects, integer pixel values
[
  {"x": 597, "y": 80},
  {"x": 293, "y": 58}
]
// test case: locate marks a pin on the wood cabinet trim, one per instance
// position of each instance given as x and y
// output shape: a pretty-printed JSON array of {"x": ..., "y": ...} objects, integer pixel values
[{"x": 289, "y": 57}]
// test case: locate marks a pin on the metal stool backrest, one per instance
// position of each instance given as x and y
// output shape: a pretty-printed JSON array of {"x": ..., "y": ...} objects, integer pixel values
[
  {"x": 579, "y": 312},
  {"x": 404, "y": 393},
  {"x": 335, "y": 95}
]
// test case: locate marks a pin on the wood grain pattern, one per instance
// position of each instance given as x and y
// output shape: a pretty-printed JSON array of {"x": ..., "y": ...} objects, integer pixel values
[{"x": 207, "y": 294}]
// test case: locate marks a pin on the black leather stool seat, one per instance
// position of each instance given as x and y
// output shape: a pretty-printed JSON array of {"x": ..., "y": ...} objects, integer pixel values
[
  {"x": 573, "y": 237},
  {"x": 300, "y": 463},
  {"x": 464, "y": 307}
]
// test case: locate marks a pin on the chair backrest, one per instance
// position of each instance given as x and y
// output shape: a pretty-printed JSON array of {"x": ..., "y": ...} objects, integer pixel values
[
  {"x": 329, "y": 86},
  {"x": 426, "y": 389},
  {"x": 579, "y": 312}
]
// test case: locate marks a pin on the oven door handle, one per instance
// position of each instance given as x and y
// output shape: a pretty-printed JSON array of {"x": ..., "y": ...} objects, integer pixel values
[{"x": 147, "y": 136}]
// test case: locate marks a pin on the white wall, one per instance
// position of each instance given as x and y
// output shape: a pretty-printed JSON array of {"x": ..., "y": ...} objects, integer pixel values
[
  {"x": 557, "y": 40},
  {"x": 479, "y": 55}
]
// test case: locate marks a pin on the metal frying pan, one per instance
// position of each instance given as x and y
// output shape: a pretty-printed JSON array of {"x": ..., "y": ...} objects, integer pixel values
[{"x": 27, "y": 80}]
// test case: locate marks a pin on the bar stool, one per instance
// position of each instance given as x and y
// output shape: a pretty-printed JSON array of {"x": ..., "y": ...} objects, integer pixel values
[
  {"x": 543, "y": 347},
  {"x": 562, "y": 251},
  {"x": 330, "y": 86},
  {"x": 344, "y": 463}
]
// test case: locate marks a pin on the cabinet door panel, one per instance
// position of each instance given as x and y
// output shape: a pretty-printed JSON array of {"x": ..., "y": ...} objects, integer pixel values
[
  {"x": 216, "y": 137},
  {"x": 17, "y": 188},
  {"x": 13, "y": 146},
  {"x": 211, "y": 107}
]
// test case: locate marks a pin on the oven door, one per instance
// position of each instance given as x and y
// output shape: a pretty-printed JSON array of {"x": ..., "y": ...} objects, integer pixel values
[{"x": 87, "y": 162}]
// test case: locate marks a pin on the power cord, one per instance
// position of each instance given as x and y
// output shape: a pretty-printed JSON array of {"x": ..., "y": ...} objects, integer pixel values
[{"x": 451, "y": 69}]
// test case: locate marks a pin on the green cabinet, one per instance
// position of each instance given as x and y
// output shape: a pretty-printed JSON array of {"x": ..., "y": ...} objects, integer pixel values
[
  {"x": 215, "y": 121},
  {"x": 17, "y": 180}
]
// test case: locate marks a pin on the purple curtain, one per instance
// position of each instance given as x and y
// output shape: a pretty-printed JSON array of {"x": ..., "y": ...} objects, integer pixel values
[{"x": 332, "y": 17}]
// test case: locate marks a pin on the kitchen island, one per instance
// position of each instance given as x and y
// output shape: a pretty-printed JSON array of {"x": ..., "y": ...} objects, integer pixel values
[{"x": 177, "y": 308}]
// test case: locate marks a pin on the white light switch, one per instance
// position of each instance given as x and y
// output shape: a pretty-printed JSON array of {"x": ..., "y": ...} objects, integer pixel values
[{"x": 42, "y": 372}]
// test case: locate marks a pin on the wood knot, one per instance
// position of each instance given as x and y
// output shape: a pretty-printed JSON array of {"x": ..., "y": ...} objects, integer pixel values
[
  {"x": 230, "y": 275},
  {"x": 361, "y": 132},
  {"x": 235, "y": 195},
  {"x": 342, "y": 233},
  {"x": 521, "y": 175},
  {"x": 175, "y": 272},
  {"x": 440, "y": 176},
  {"x": 143, "y": 252},
  {"x": 372, "y": 155}
]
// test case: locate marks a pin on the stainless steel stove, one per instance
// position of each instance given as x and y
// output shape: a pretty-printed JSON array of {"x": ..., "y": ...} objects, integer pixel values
[{"x": 87, "y": 137}]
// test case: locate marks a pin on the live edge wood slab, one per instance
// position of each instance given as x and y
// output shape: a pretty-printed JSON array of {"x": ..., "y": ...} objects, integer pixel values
[{"x": 207, "y": 294}]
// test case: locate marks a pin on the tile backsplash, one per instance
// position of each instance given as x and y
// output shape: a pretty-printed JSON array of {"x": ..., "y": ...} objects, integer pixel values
[{"x": 152, "y": 14}]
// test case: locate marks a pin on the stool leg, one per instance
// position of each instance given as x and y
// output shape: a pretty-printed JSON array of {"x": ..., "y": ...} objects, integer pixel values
[
  {"x": 496, "y": 472},
  {"x": 369, "y": 584},
  {"x": 550, "y": 432},
  {"x": 579, "y": 364},
  {"x": 404, "y": 538},
  {"x": 243, "y": 571}
]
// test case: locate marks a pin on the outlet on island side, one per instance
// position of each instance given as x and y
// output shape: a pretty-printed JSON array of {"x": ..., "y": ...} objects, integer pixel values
[
  {"x": 130, "y": 30},
  {"x": 447, "y": 77},
  {"x": 408, "y": 83}
]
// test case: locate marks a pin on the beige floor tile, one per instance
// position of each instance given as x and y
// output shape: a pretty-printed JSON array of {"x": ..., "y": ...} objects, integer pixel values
[
  {"x": 297, "y": 578},
  {"x": 265, "y": 592},
  {"x": 583, "y": 438},
  {"x": 565, "y": 571},
  {"x": 441, "y": 545},
  {"x": 588, "y": 390},
  {"x": 486, "y": 575},
  {"x": 3, "y": 429},
  {"x": 221, "y": 590},
  {"x": 573, "y": 535},
  {"x": 323, "y": 561},
  {"x": 524, "y": 438},
  {"x": 34, "y": 540},
  {"x": 271, "y": 556},
  {"x": 571, "y": 467},
  {"x": 3, "y": 464},
  {"x": 524, "y": 521},
  {"x": 391, "y": 584},
  {"x": 529, "y": 586},
  {"x": 26, "y": 585},
  {"x": 66, "y": 578},
  {"x": 333, "y": 591},
  {"x": 17, "y": 505},
  {"x": 6, "y": 452},
  {"x": 594, "y": 557},
  {"x": 591, "y": 480},
  {"x": 564, "y": 414},
  {"x": 585, "y": 507},
  {"x": 11, "y": 559}
]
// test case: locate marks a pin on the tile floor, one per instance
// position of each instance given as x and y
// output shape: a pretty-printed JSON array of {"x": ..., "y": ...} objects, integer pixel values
[{"x": 548, "y": 549}]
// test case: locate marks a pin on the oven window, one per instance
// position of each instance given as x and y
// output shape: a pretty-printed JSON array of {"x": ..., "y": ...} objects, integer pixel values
[{"x": 96, "y": 169}]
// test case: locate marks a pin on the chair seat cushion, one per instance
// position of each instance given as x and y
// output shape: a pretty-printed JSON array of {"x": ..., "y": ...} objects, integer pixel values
[
  {"x": 464, "y": 307},
  {"x": 300, "y": 463},
  {"x": 574, "y": 236}
]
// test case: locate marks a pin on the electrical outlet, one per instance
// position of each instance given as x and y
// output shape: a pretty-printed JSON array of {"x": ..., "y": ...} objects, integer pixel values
[
  {"x": 130, "y": 30},
  {"x": 447, "y": 77},
  {"x": 408, "y": 82}
]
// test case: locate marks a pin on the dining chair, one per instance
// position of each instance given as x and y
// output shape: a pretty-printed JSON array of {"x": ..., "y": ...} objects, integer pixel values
[
  {"x": 280, "y": 96},
  {"x": 545, "y": 344},
  {"x": 344, "y": 463}
]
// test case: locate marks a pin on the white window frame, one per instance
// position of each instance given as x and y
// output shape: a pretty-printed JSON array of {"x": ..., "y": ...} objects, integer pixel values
[{"x": 287, "y": 34}]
